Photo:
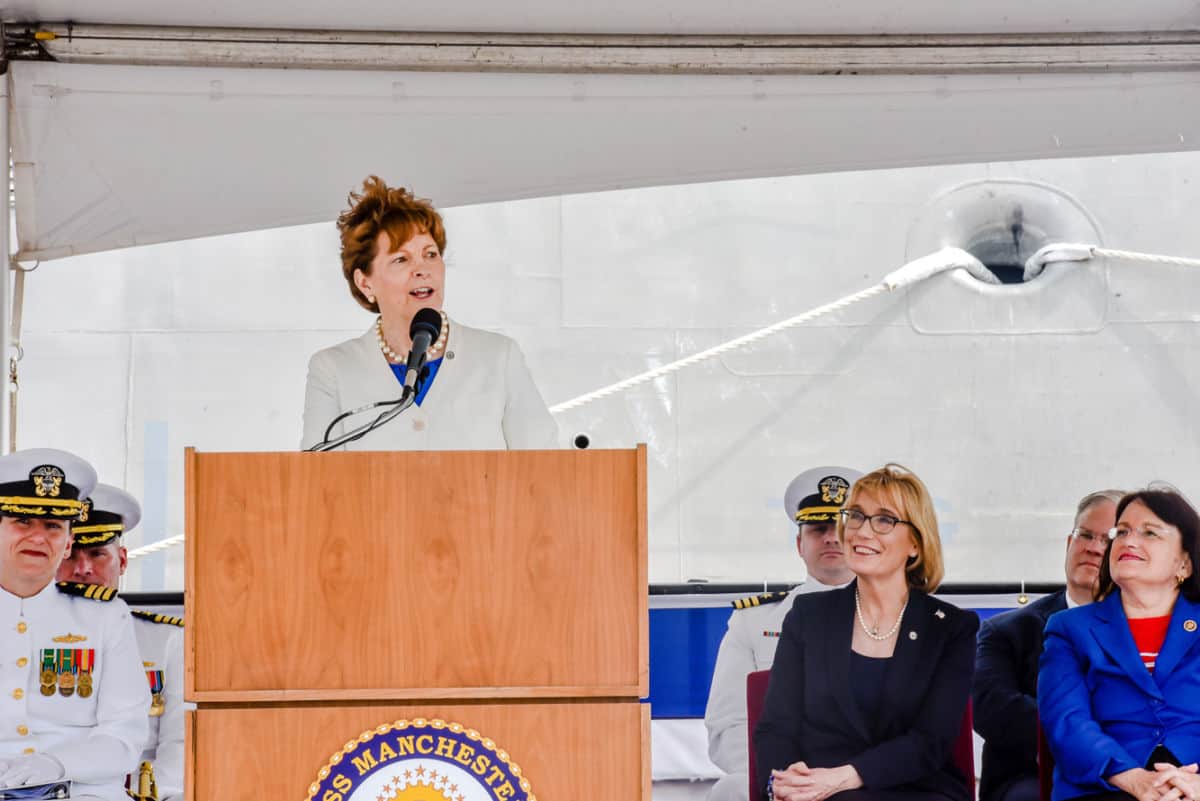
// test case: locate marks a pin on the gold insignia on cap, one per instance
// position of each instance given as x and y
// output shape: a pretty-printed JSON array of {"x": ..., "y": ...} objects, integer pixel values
[
  {"x": 833, "y": 489},
  {"x": 47, "y": 480},
  {"x": 1189, "y": 625},
  {"x": 69, "y": 638}
]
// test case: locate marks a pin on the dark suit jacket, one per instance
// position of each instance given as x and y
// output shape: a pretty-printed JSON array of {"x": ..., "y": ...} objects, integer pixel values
[
  {"x": 810, "y": 713},
  {"x": 1005, "y": 692},
  {"x": 1102, "y": 711}
]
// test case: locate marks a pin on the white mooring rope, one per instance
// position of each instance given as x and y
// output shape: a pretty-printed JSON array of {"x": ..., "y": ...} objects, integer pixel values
[
  {"x": 155, "y": 547},
  {"x": 911, "y": 273}
]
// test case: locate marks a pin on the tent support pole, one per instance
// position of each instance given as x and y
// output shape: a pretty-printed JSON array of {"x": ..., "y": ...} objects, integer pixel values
[{"x": 7, "y": 409}]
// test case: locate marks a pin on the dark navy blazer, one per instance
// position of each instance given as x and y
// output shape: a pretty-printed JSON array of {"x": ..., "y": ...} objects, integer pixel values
[
  {"x": 1103, "y": 712},
  {"x": 1005, "y": 693},
  {"x": 810, "y": 712}
]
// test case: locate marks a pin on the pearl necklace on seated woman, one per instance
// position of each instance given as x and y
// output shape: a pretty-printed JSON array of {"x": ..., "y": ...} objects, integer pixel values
[{"x": 435, "y": 350}]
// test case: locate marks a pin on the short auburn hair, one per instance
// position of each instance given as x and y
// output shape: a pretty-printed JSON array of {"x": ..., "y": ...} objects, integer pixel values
[
  {"x": 379, "y": 208},
  {"x": 900, "y": 487}
]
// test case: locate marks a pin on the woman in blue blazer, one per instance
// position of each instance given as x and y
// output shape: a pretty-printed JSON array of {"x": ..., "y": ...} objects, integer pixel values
[
  {"x": 870, "y": 682},
  {"x": 1119, "y": 686}
]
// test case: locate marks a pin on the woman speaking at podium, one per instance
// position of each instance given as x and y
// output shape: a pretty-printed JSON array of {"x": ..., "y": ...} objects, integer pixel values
[{"x": 474, "y": 392}]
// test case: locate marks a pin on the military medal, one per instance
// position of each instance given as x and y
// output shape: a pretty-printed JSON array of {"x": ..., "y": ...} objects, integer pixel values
[
  {"x": 49, "y": 677},
  {"x": 86, "y": 661},
  {"x": 157, "y": 704},
  {"x": 66, "y": 672}
]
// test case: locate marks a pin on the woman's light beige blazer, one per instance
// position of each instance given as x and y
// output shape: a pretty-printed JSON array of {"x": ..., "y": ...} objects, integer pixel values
[{"x": 483, "y": 397}]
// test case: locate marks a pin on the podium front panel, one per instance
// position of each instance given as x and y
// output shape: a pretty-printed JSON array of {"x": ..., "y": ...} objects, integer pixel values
[
  {"x": 567, "y": 750},
  {"x": 396, "y": 575}
]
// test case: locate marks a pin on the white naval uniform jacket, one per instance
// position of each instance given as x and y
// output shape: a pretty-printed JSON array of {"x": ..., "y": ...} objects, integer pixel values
[
  {"x": 169, "y": 766},
  {"x": 483, "y": 397},
  {"x": 161, "y": 648},
  {"x": 748, "y": 645},
  {"x": 97, "y": 739}
]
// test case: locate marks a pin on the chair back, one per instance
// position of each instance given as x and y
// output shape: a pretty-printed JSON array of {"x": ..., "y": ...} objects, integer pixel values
[
  {"x": 1045, "y": 765},
  {"x": 756, "y": 693},
  {"x": 964, "y": 749}
]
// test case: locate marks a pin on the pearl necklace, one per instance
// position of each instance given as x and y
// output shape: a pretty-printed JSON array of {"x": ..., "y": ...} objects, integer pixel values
[
  {"x": 396, "y": 358},
  {"x": 873, "y": 633}
]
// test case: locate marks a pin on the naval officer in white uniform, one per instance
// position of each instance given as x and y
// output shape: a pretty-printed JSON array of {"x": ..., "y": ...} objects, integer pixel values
[
  {"x": 99, "y": 557},
  {"x": 812, "y": 501},
  {"x": 72, "y": 691}
]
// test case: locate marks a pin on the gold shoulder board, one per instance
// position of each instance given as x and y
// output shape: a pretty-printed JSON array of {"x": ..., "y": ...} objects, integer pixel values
[
  {"x": 759, "y": 600},
  {"x": 93, "y": 592},
  {"x": 155, "y": 617}
]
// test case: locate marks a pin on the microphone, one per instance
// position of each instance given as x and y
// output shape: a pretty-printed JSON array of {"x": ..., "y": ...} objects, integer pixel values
[
  {"x": 424, "y": 330},
  {"x": 426, "y": 327}
]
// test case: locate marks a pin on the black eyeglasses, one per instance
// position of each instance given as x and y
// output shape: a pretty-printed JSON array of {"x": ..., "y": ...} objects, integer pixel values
[{"x": 880, "y": 523}]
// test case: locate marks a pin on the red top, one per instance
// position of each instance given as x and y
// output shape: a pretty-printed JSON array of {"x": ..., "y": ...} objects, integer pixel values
[{"x": 1148, "y": 636}]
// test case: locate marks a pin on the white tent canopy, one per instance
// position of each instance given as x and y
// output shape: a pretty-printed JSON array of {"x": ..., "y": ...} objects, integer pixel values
[{"x": 109, "y": 156}]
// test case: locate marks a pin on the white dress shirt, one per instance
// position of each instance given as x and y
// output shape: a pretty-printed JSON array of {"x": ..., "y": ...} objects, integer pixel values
[
  {"x": 98, "y": 738},
  {"x": 483, "y": 397}
]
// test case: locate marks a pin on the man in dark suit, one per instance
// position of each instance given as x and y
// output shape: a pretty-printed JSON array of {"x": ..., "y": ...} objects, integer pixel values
[{"x": 1004, "y": 690}]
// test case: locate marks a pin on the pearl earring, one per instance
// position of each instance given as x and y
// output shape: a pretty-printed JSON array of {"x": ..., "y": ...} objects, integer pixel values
[{"x": 370, "y": 298}]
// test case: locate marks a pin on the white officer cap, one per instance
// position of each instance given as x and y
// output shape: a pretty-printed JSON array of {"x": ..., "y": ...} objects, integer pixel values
[
  {"x": 815, "y": 495},
  {"x": 112, "y": 512},
  {"x": 44, "y": 482}
]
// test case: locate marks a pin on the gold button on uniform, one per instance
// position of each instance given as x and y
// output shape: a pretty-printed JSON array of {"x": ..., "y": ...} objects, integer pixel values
[
  {"x": 18, "y": 693},
  {"x": 28, "y": 751},
  {"x": 22, "y": 628},
  {"x": 22, "y": 662},
  {"x": 23, "y": 731}
]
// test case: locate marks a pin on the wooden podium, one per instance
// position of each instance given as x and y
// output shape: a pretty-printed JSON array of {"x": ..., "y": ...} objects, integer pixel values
[{"x": 327, "y": 594}]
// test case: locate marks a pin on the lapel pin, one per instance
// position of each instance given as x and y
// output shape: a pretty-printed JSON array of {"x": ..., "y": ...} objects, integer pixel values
[
  {"x": 1189, "y": 625},
  {"x": 939, "y": 613},
  {"x": 912, "y": 635}
]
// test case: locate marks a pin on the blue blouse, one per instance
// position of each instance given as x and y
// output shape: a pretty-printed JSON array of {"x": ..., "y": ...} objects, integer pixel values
[{"x": 422, "y": 386}]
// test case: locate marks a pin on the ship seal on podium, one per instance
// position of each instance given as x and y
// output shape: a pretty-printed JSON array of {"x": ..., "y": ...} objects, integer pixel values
[{"x": 420, "y": 760}]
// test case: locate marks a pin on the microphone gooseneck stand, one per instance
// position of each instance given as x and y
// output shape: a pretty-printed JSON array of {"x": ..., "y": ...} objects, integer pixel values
[{"x": 398, "y": 407}]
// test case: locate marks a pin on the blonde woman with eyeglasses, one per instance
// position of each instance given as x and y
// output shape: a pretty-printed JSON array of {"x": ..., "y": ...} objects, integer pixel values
[{"x": 870, "y": 682}]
